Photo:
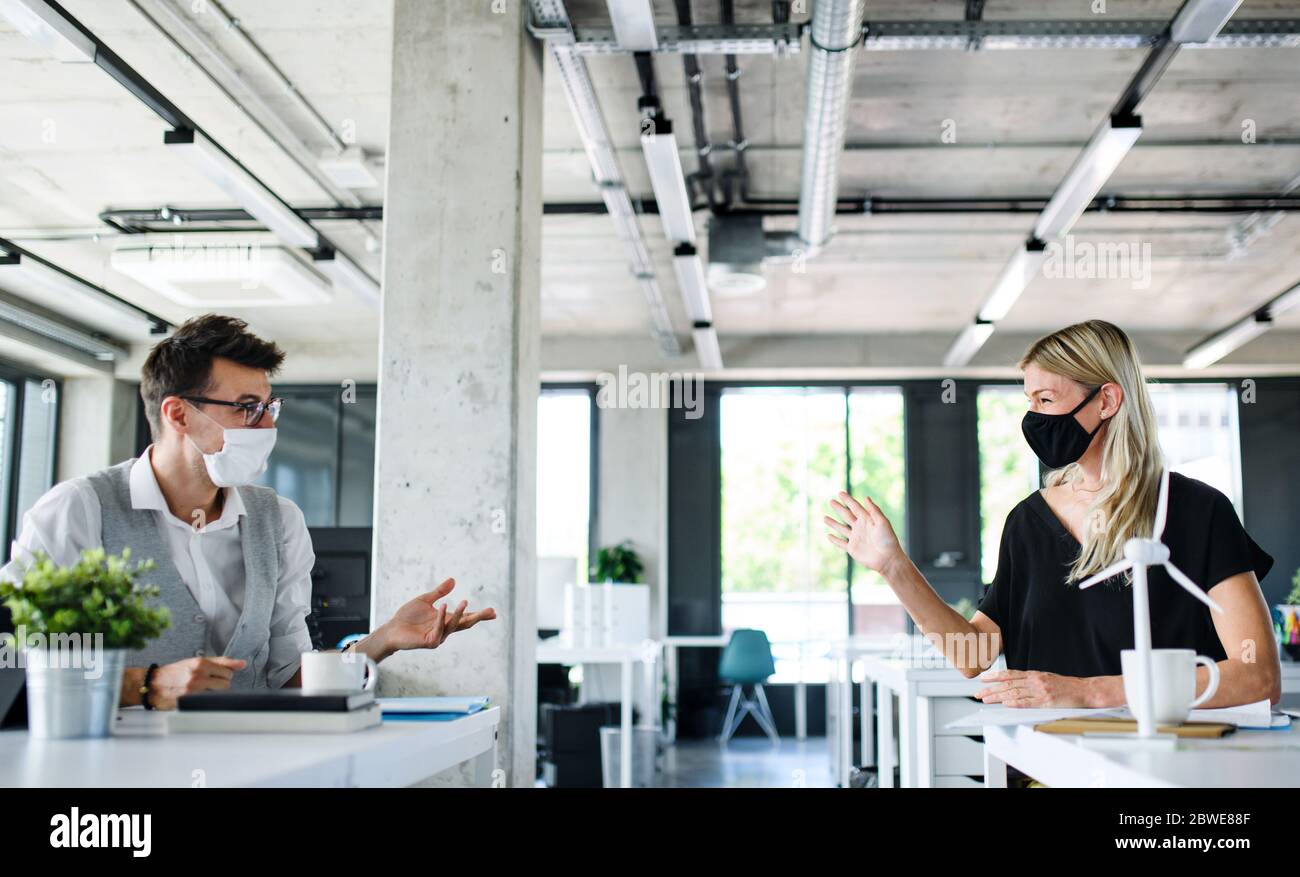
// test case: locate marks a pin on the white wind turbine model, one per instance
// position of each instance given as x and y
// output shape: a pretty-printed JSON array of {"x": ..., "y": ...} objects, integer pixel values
[{"x": 1138, "y": 555}]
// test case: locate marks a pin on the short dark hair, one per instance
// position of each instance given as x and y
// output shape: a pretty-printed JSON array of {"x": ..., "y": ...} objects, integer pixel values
[{"x": 181, "y": 364}]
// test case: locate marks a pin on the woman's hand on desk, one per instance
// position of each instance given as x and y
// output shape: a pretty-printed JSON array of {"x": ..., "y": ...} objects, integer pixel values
[
  {"x": 1033, "y": 688},
  {"x": 864, "y": 532},
  {"x": 421, "y": 624}
]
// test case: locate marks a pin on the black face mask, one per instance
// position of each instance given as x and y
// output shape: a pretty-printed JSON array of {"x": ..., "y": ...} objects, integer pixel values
[{"x": 1058, "y": 439}]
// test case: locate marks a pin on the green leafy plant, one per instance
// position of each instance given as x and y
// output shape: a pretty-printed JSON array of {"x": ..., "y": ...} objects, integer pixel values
[
  {"x": 1293, "y": 599},
  {"x": 96, "y": 595},
  {"x": 617, "y": 563}
]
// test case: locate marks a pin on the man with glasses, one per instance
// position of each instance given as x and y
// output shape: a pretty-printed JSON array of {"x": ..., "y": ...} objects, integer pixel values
[{"x": 233, "y": 560}]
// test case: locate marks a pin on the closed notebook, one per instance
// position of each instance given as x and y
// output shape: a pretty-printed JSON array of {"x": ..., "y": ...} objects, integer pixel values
[
  {"x": 451, "y": 707},
  {"x": 1129, "y": 726},
  {"x": 272, "y": 722},
  {"x": 283, "y": 700}
]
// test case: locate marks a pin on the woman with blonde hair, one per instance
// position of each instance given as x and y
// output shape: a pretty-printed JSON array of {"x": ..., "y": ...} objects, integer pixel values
[{"x": 1090, "y": 420}]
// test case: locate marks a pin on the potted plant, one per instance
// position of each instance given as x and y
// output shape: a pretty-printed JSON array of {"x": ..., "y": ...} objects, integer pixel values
[
  {"x": 1287, "y": 622},
  {"x": 617, "y": 563},
  {"x": 74, "y": 626}
]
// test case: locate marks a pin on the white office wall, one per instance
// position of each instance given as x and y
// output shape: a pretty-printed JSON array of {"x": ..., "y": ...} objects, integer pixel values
[
  {"x": 96, "y": 425},
  {"x": 632, "y": 504}
]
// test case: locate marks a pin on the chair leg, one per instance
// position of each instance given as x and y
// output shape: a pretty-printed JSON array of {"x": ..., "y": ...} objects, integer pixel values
[
  {"x": 727, "y": 727},
  {"x": 764, "y": 715}
]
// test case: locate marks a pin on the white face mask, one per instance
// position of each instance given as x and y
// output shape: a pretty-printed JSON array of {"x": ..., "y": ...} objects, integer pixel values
[{"x": 241, "y": 459}]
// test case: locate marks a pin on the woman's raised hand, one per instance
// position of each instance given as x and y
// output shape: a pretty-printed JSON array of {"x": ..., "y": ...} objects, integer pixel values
[{"x": 863, "y": 531}]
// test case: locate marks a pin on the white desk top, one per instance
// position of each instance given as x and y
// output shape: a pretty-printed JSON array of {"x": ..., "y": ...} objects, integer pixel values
[
  {"x": 1243, "y": 759},
  {"x": 392, "y": 754},
  {"x": 553, "y": 652}
]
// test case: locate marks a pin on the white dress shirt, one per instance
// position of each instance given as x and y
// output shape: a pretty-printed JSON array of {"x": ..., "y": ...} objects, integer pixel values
[{"x": 210, "y": 560}]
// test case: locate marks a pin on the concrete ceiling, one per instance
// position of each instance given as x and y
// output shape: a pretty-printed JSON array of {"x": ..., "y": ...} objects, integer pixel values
[{"x": 74, "y": 143}]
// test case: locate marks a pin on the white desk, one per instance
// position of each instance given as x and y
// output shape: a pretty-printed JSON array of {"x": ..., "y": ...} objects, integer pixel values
[
  {"x": 1245, "y": 759},
  {"x": 839, "y": 701},
  {"x": 626, "y": 656},
  {"x": 392, "y": 754},
  {"x": 930, "y": 695}
]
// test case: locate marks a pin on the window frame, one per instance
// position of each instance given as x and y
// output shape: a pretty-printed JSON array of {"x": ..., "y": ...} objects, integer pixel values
[{"x": 18, "y": 376}]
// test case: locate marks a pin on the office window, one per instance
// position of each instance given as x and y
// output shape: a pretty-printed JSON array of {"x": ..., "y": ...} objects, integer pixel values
[
  {"x": 1008, "y": 468},
  {"x": 1199, "y": 433},
  {"x": 29, "y": 418},
  {"x": 564, "y": 481},
  {"x": 324, "y": 458},
  {"x": 876, "y": 436},
  {"x": 785, "y": 453}
]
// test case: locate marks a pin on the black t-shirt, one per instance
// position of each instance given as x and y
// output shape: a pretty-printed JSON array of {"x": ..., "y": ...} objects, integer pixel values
[{"x": 1049, "y": 624}]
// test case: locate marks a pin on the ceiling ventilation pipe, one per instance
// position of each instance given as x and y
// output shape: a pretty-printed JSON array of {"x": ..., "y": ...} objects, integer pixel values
[{"x": 835, "y": 31}]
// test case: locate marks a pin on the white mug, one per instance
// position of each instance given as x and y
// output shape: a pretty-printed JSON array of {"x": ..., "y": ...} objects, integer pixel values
[
  {"x": 338, "y": 672},
  {"x": 1173, "y": 683}
]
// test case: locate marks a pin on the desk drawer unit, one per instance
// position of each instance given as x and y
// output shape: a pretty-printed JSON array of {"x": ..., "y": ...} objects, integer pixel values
[
  {"x": 950, "y": 709},
  {"x": 958, "y": 756}
]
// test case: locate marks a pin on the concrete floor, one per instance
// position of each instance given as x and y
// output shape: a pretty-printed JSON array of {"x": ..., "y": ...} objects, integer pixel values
[{"x": 746, "y": 762}]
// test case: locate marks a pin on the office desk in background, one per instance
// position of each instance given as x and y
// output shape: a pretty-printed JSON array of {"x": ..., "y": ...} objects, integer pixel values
[
  {"x": 626, "y": 657},
  {"x": 393, "y": 754}
]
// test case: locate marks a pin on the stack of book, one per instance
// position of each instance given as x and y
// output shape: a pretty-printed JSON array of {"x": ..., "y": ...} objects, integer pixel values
[{"x": 286, "y": 710}]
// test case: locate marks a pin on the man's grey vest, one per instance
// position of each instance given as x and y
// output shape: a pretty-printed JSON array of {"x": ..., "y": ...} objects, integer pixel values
[{"x": 260, "y": 536}]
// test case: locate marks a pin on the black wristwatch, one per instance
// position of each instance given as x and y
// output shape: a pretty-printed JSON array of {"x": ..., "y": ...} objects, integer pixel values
[{"x": 145, "y": 688}]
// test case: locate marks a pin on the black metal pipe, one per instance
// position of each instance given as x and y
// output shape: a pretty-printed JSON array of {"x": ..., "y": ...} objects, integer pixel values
[
  {"x": 738, "y": 142},
  {"x": 703, "y": 176}
]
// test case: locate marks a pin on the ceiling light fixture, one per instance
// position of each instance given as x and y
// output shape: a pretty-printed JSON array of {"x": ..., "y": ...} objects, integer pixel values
[
  {"x": 244, "y": 188},
  {"x": 37, "y": 21},
  {"x": 968, "y": 344},
  {"x": 1014, "y": 280},
  {"x": 1090, "y": 171},
  {"x": 664, "y": 163},
  {"x": 1220, "y": 344}
]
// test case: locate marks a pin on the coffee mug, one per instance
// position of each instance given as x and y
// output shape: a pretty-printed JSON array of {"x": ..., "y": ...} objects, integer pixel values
[
  {"x": 338, "y": 672},
  {"x": 1173, "y": 683}
]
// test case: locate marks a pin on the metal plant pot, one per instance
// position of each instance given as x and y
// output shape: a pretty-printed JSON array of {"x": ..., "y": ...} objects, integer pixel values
[{"x": 68, "y": 697}]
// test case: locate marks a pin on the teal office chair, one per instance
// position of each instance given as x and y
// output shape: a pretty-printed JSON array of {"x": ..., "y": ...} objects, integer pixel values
[{"x": 747, "y": 660}]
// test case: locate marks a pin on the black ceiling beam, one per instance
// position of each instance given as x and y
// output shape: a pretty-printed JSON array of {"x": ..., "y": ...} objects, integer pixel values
[{"x": 164, "y": 219}]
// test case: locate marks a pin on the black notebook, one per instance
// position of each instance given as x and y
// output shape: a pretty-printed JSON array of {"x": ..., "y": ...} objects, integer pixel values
[{"x": 284, "y": 700}]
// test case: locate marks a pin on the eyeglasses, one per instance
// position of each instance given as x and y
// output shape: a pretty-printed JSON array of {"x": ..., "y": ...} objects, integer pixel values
[{"x": 253, "y": 411}]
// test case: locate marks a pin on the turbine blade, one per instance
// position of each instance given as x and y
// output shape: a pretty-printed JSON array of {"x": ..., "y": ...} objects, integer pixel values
[
  {"x": 1162, "y": 505},
  {"x": 1177, "y": 575},
  {"x": 1108, "y": 572}
]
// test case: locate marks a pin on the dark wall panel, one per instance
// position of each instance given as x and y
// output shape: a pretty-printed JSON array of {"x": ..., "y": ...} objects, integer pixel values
[{"x": 1270, "y": 476}]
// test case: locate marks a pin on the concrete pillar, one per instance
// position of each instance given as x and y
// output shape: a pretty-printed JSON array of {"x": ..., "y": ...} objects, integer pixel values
[{"x": 455, "y": 490}]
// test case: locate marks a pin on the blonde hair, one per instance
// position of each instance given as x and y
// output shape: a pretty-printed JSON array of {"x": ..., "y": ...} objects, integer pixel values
[{"x": 1095, "y": 353}]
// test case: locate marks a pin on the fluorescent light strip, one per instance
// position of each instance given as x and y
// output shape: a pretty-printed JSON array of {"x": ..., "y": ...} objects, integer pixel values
[
  {"x": 1089, "y": 173},
  {"x": 662, "y": 325},
  {"x": 968, "y": 344},
  {"x": 1014, "y": 280},
  {"x": 706, "y": 347},
  {"x": 1200, "y": 21},
  {"x": 342, "y": 271},
  {"x": 1285, "y": 302},
  {"x": 692, "y": 282},
  {"x": 1219, "y": 345},
  {"x": 664, "y": 163},
  {"x": 634, "y": 25},
  {"x": 55, "y": 331},
  {"x": 86, "y": 300},
  {"x": 38, "y": 22},
  {"x": 245, "y": 189}
]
